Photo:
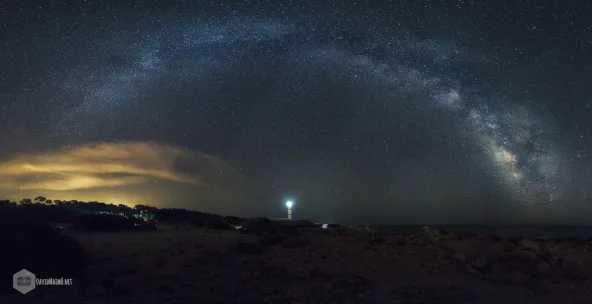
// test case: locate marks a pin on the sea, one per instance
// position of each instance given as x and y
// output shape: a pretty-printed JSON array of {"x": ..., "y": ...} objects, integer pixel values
[{"x": 505, "y": 230}]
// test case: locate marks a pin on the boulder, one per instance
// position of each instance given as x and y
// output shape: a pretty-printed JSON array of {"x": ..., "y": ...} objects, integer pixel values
[
  {"x": 459, "y": 258},
  {"x": 529, "y": 245},
  {"x": 481, "y": 262},
  {"x": 488, "y": 256},
  {"x": 426, "y": 236},
  {"x": 525, "y": 255},
  {"x": 376, "y": 240},
  {"x": 543, "y": 266},
  {"x": 469, "y": 250}
]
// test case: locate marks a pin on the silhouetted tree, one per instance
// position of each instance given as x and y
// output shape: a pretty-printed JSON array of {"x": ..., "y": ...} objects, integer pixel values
[
  {"x": 26, "y": 201},
  {"x": 57, "y": 202},
  {"x": 40, "y": 199},
  {"x": 48, "y": 202},
  {"x": 145, "y": 208}
]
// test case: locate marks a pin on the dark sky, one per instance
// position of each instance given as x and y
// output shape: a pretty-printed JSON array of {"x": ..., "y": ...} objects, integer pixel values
[{"x": 420, "y": 112}]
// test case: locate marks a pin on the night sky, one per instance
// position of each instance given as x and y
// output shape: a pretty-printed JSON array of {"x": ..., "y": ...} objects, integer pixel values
[{"x": 402, "y": 112}]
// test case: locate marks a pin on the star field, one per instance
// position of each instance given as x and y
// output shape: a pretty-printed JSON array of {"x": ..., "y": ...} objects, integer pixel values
[{"x": 427, "y": 111}]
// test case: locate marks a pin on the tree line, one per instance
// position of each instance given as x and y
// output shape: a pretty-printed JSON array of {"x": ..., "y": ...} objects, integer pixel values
[{"x": 65, "y": 211}]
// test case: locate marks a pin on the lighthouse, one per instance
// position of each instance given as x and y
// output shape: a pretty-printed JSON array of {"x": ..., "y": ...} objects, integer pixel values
[{"x": 289, "y": 205}]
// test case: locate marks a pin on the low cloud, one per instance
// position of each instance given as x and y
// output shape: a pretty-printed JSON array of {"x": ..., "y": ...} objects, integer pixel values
[{"x": 101, "y": 165}]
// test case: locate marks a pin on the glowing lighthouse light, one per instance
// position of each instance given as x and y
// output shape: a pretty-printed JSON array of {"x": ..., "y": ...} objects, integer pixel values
[{"x": 289, "y": 204}]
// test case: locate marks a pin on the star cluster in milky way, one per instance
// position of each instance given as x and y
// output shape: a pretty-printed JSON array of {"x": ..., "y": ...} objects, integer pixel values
[{"x": 327, "y": 104}]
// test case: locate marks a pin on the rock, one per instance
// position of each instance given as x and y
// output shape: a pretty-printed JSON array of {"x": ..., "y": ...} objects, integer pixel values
[
  {"x": 527, "y": 255},
  {"x": 543, "y": 266},
  {"x": 377, "y": 239},
  {"x": 550, "y": 255},
  {"x": 490, "y": 255},
  {"x": 460, "y": 258},
  {"x": 468, "y": 249},
  {"x": 494, "y": 238},
  {"x": 95, "y": 291},
  {"x": 526, "y": 244},
  {"x": 481, "y": 262},
  {"x": 443, "y": 254},
  {"x": 514, "y": 239},
  {"x": 451, "y": 236},
  {"x": 367, "y": 229},
  {"x": 472, "y": 270},
  {"x": 401, "y": 241},
  {"x": 248, "y": 248},
  {"x": 426, "y": 236},
  {"x": 517, "y": 277}
]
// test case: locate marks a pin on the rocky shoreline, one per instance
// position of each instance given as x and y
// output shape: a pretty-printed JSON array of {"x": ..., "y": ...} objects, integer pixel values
[{"x": 344, "y": 265}]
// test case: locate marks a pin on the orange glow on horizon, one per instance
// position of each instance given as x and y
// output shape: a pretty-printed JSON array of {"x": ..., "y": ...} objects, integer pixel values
[{"x": 127, "y": 173}]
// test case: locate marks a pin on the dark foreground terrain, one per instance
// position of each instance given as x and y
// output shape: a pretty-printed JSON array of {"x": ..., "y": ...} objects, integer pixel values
[{"x": 351, "y": 266}]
